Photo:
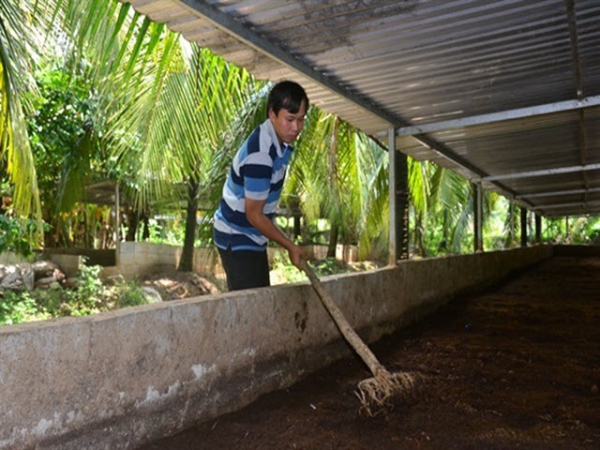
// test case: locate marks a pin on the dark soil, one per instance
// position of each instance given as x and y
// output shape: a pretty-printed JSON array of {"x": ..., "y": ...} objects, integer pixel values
[{"x": 515, "y": 368}]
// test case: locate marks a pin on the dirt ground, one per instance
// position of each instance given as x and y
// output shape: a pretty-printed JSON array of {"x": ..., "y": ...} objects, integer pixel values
[
  {"x": 517, "y": 367},
  {"x": 174, "y": 285}
]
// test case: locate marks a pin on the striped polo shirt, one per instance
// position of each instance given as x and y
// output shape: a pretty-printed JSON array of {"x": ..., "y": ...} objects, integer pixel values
[{"x": 257, "y": 172}]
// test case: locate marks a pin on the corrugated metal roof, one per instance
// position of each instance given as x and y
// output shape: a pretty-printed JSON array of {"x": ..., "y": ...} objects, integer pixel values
[{"x": 506, "y": 92}]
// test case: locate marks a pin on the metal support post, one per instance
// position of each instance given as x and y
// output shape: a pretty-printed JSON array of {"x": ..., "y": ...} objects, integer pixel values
[
  {"x": 523, "y": 227},
  {"x": 478, "y": 217},
  {"x": 117, "y": 233},
  {"x": 398, "y": 181},
  {"x": 511, "y": 216}
]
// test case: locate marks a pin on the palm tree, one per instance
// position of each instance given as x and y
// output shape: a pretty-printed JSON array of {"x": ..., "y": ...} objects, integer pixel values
[
  {"x": 94, "y": 33},
  {"x": 185, "y": 118},
  {"x": 341, "y": 175},
  {"x": 168, "y": 118},
  {"x": 18, "y": 39}
]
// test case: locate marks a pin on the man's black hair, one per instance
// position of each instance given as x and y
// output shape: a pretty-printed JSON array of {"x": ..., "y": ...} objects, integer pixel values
[{"x": 287, "y": 95}]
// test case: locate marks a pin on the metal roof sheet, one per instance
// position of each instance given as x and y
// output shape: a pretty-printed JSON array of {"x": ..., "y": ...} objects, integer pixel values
[{"x": 504, "y": 92}]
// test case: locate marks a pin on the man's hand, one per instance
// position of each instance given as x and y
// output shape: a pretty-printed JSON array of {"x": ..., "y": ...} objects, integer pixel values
[
  {"x": 297, "y": 255},
  {"x": 255, "y": 215}
]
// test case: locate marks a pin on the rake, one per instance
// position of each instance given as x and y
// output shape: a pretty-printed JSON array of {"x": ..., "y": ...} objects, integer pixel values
[{"x": 372, "y": 392}]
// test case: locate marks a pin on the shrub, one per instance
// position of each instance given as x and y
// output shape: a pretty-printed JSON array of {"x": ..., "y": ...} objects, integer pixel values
[
  {"x": 17, "y": 236},
  {"x": 90, "y": 296},
  {"x": 20, "y": 307}
]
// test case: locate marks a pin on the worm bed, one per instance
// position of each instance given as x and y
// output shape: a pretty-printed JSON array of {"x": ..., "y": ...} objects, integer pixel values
[{"x": 515, "y": 367}]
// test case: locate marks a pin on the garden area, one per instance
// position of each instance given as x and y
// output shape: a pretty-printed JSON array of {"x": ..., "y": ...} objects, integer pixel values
[
  {"x": 116, "y": 129},
  {"x": 39, "y": 291}
]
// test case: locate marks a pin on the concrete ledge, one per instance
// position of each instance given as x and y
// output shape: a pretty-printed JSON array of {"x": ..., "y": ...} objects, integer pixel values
[
  {"x": 120, "y": 379},
  {"x": 577, "y": 250}
]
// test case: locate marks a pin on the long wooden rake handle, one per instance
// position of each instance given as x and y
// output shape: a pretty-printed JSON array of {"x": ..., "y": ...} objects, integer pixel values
[{"x": 338, "y": 317}]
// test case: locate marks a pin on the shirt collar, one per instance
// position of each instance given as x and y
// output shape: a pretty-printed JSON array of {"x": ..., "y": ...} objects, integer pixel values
[{"x": 271, "y": 130}]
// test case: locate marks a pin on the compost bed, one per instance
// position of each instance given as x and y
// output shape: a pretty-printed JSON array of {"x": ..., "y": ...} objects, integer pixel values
[{"x": 515, "y": 367}]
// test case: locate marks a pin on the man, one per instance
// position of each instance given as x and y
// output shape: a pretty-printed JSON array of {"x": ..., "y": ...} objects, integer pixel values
[{"x": 244, "y": 220}]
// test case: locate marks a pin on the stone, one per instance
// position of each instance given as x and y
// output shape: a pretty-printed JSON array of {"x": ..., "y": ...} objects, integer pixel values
[
  {"x": 44, "y": 269},
  {"x": 151, "y": 295},
  {"x": 25, "y": 276},
  {"x": 46, "y": 282},
  {"x": 28, "y": 276},
  {"x": 13, "y": 281}
]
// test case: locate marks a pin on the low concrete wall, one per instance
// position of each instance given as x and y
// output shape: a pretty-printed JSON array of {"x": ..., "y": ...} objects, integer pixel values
[
  {"x": 577, "y": 250},
  {"x": 93, "y": 257},
  {"x": 120, "y": 379},
  {"x": 141, "y": 258},
  {"x": 8, "y": 258},
  {"x": 68, "y": 263}
]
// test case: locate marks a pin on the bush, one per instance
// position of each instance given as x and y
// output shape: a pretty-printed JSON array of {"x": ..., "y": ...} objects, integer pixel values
[
  {"x": 17, "y": 236},
  {"x": 90, "y": 296},
  {"x": 20, "y": 307}
]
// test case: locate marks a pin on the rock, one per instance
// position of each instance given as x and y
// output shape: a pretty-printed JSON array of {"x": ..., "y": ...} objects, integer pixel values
[
  {"x": 151, "y": 295},
  {"x": 25, "y": 276},
  {"x": 70, "y": 282},
  {"x": 45, "y": 269},
  {"x": 46, "y": 283},
  {"x": 4, "y": 270},
  {"x": 13, "y": 281},
  {"x": 28, "y": 276}
]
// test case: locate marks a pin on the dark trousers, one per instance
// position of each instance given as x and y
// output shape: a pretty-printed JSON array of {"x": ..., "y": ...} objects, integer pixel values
[{"x": 245, "y": 269}]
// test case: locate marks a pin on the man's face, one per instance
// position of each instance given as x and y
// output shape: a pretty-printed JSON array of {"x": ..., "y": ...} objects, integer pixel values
[{"x": 287, "y": 125}]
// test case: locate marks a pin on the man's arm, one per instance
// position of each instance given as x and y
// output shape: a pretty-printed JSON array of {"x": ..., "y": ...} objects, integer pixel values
[{"x": 258, "y": 219}]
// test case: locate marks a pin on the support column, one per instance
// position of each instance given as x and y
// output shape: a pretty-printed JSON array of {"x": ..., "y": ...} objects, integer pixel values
[
  {"x": 117, "y": 226},
  {"x": 511, "y": 223},
  {"x": 538, "y": 229},
  {"x": 523, "y": 227},
  {"x": 478, "y": 217},
  {"x": 398, "y": 181}
]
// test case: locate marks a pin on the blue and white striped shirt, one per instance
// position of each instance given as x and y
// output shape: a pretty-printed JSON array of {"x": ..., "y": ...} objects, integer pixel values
[{"x": 257, "y": 172}]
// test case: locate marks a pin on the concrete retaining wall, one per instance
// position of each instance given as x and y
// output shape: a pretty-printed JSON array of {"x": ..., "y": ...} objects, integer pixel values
[
  {"x": 577, "y": 250},
  {"x": 142, "y": 258},
  {"x": 120, "y": 379}
]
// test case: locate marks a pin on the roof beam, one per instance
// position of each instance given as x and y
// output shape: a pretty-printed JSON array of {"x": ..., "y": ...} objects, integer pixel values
[
  {"x": 236, "y": 29},
  {"x": 566, "y": 205},
  {"x": 574, "y": 41},
  {"x": 578, "y": 78},
  {"x": 448, "y": 153},
  {"x": 557, "y": 193},
  {"x": 539, "y": 173},
  {"x": 482, "y": 119}
]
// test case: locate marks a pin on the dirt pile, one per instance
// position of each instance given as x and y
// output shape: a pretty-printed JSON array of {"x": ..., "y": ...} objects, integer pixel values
[
  {"x": 175, "y": 285},
  {"x": 515, "y": 368}
]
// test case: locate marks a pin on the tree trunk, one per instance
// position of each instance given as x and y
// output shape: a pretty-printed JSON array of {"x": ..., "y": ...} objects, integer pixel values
[
  {"x": 419, "y": 242},
  {"x": 133, "y": 222},
  {"x": 186, "y": 263},
  {"x": 444, "y": 243},
  {"x": 333, "y": 240},
  {"x": 146, "y": 230},
  {"x": 297, "y": 229}
]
